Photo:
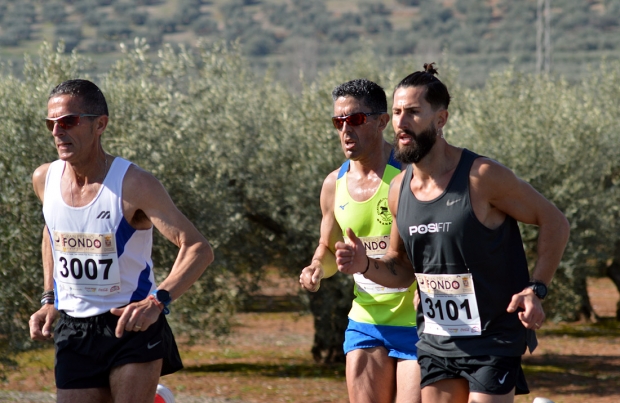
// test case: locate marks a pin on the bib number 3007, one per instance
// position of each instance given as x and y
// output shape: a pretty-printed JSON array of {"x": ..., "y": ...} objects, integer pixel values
[
  {"x": 89, "y": 268},
  {"x": 86, "y": 263}
]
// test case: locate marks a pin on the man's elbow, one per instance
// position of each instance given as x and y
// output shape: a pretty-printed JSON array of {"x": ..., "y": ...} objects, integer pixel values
[
  {"x": 205, "y": 251},
  {"x": 564, "y": 229}
]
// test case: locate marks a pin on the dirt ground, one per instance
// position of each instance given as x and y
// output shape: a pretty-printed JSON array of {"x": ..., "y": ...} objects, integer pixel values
[{"x": 268, "y": 359}]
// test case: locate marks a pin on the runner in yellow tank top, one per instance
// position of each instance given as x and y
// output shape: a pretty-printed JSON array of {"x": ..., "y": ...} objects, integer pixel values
[
  {"x": 381, "y": 357},
  {"x": 371, "y": 219}
]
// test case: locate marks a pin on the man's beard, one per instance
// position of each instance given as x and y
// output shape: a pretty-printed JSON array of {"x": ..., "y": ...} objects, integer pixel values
[{"x": 420, "y": 146}]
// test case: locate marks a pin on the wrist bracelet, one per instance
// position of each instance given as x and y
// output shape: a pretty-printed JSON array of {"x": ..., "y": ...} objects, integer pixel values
[
  {"x": 48, "y": 297},
  {"x": 48, "y": 293},
  {"x": 367, "y": 266},
  {"x": 46, "y": 301}
]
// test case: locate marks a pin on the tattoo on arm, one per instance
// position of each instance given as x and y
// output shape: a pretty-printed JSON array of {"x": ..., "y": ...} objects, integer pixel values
[{"x": 389, "y": 263}]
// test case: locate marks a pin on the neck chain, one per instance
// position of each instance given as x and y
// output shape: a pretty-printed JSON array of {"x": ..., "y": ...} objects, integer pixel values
[{"x": 105, "y": 172}]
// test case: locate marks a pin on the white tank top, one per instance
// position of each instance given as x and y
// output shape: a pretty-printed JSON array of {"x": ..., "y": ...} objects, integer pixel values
[{"x": 100, "y": 260}]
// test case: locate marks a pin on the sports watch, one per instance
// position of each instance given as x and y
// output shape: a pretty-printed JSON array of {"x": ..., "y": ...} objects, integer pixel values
[
  {"x": 163, "y": 297},
  {"x": 539, "y": 288}
]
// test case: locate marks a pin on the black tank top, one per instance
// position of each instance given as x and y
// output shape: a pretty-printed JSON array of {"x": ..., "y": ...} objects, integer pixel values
[{"x": 443, "y": 236}]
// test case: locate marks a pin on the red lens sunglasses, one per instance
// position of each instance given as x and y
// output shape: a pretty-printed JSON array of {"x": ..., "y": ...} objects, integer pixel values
[
  {"x": 354, "y": 119},
  {"x": 66, "y": 121}
]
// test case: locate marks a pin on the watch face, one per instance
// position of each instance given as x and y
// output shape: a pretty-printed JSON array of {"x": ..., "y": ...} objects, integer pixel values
[
  {"x": 163, "y": 296},
  {"x": 539, "y": 289}
]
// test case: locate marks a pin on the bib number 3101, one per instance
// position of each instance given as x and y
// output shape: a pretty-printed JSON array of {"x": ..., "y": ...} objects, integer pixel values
[{"x": 449, "y": 304}]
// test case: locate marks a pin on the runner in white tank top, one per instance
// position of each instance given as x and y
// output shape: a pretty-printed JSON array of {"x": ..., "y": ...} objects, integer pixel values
[
  {"x": 112, "y": 339},
  {"x": 92, "y": 243}
]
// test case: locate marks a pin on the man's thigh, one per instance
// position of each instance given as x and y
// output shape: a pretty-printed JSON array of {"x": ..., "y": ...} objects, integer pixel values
[
  {"x": 91, "y": 395},
  {"x": 407, "y": 381},
  {"x": 484, "y": 398},
  {"x": 371, "y": 375},
  {"x": 447, "y": 391},
  {"x": 136, "y": 382}
]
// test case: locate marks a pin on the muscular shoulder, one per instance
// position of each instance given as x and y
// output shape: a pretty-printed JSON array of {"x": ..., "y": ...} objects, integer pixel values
[
  {"x": 38, "y": 180},
  {"x": 328, "y": 191},
  {"x": 329, "y": 184},
  {"x": 489, "y": 176},
  {"x": 143, "y": 196},
  {"x": 139, "y": 185}
]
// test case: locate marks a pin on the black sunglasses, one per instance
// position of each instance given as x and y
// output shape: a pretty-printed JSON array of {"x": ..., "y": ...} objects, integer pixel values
[
  {"x": 66, "y": 121},
  {"x": 355, "y": 119}
]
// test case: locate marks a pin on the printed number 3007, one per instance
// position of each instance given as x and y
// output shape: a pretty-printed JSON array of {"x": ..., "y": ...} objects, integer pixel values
[{"x": 89, "y": 268}]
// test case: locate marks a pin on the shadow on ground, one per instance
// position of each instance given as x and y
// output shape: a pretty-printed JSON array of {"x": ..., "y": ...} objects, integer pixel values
[
  {"x": 597, "y": 375},
  {"x": 604, "y": 327},
  {"x": 313, "y": 370}
]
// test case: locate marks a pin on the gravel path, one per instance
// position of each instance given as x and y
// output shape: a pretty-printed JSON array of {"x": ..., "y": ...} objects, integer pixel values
[{"x": 48, "y": 397}]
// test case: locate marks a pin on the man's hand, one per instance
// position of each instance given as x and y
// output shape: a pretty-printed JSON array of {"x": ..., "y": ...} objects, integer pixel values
[
  {"x": 41, "y": 323},
  {"x": 136, "y": 317},
  {"x": 532, "y": 314},
  {"x": 351, "y": 255},
  {"x": 311, "y": 276}
]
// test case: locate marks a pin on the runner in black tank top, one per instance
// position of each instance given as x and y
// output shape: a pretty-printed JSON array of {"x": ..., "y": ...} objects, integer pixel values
[{"x": 459, "y": 243}]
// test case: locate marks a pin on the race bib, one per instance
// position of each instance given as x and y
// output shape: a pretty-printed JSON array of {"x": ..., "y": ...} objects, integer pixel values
[
  {"x": 449, "y": 304},
  {"x": 86, "y": 264},
  {"x": 376, "y": 247}
]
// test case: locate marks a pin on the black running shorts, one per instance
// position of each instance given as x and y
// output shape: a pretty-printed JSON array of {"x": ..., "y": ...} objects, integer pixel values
[
  {"x": 87, "y": 349},
  {"x": 487, "y": 374}
]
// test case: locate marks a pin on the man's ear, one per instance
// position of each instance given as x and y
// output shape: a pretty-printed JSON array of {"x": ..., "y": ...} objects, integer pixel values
[
  {"x": 441, "y": 118},
  {"x": 101, "y": 124},
  {"x": 384, "y": 119}
]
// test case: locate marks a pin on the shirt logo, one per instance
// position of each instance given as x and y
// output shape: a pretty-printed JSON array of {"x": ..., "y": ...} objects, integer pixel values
[
  {"x": 451, "y": 202},
  {"x": 344, "y": 205},
  {"x": 104, "y": 215},
  {"x": 384, "y": 217},
  {"x": 432, "y": 227}
]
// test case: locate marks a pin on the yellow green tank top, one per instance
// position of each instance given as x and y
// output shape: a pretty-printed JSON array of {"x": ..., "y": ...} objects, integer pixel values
[{"x": 371, "y": 220}]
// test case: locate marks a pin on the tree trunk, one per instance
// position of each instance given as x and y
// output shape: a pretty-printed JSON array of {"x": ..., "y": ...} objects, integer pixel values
[
  {"x": 613, "y": 272},
  {"x": 330, "y": 307}
]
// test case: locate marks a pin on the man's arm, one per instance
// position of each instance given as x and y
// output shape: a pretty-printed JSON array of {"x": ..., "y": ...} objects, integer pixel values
[
  {"x": 394, "y": 269},
  {"x": 41, "y": 322},
  {"x": 323, "y": 264},
  {"x": 146, "y": 201},
  {"x": 48, "y": 260},
  {"x": 510, "y": 195}
]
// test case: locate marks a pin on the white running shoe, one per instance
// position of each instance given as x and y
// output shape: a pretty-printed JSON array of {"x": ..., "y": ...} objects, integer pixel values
[
  {"x": 163, "y": 395},
  {"x": 542, "y": 400}
]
